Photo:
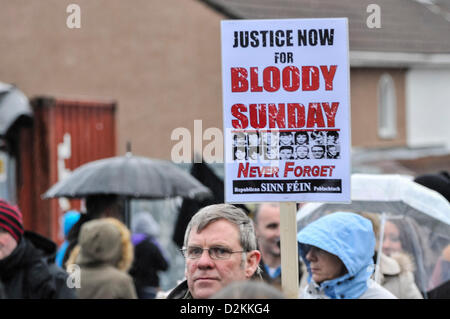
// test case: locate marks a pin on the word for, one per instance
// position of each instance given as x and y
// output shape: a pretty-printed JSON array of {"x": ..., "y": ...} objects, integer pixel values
[
  {"x": 270, "y": 115},
  {"x": 282, "y": 38},
  {"x": 289, "y": 78},
  {"x": 74, "y": 19}
]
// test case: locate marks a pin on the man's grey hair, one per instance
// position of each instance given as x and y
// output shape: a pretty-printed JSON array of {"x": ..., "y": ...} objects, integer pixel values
[{"x": 230, "y": 213}]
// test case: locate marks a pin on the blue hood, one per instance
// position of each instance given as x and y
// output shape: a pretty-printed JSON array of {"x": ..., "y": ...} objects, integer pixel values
[{"x": 349, "y": 237}]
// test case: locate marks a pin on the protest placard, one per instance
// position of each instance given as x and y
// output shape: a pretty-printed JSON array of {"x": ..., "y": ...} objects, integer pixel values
[{"x": 286, "y": 105}]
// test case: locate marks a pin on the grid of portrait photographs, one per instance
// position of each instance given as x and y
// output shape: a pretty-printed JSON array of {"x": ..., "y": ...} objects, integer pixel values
[{"x": 286, "y": 145}]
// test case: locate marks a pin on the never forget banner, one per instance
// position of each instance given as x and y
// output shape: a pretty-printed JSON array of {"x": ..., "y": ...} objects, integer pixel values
[{"x": 286, "y": 104}]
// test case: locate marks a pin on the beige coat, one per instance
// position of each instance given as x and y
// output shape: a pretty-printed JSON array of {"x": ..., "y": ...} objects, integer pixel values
[
  {"x": 397, "y": 276},
  {"x": 104, "y": 255}
]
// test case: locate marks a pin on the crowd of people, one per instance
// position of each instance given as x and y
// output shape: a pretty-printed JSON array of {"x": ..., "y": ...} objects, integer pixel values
[{"x": 228, "y": 253}]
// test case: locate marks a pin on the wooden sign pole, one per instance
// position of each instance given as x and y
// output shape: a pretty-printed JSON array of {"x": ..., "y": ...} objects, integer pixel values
[{"x": 289, "y": 250}]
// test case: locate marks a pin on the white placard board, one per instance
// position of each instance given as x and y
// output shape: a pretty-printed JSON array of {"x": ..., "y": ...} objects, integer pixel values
[{"x": 286, "y": 105}]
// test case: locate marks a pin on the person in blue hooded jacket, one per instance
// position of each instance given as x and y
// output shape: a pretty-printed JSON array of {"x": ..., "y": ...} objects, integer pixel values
[{"x": 338, "y": 252}]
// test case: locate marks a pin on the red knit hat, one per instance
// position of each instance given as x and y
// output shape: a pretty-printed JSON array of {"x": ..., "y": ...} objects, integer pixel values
[{"x": 11, "y": 220}]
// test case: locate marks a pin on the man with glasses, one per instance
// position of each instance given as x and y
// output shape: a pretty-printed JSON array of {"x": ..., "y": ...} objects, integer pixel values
[{"x": 220, "y": 248}]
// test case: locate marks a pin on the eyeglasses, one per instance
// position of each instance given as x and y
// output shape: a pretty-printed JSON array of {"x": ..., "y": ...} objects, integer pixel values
[{"x": 215, "y": 252}]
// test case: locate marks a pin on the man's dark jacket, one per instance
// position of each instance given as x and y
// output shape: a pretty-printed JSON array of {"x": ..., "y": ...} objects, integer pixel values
[{"x": 29, "y": 272}]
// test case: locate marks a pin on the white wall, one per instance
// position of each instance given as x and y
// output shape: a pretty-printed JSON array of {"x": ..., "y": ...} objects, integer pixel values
[{"x": 428, "y": 107}]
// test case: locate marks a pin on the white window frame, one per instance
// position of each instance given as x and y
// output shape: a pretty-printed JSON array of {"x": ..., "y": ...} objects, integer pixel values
[{"x": 387, "y": 107}]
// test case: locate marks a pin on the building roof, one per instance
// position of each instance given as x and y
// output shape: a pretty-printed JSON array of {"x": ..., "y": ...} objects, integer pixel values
[{"x": 408, "y": 26}]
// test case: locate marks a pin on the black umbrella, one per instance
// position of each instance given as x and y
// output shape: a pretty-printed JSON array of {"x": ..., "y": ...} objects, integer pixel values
[{"x": 130, "y": 177}]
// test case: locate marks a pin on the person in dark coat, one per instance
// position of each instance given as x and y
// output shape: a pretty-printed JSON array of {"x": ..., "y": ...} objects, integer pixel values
[
  {"x": 148, "y": 256},
  {"x": 2, "y": 291},
  {"x": 104, "y": 255},
  {"x": 439, "y": 182},
  {"x": 27, "y": 268}
]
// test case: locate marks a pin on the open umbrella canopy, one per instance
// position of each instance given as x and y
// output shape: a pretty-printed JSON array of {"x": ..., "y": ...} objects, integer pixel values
[
  {"x": 393, "y": 194},
  {"x": 129, "y": 176},
  {"x": 421, "y": 215}
]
